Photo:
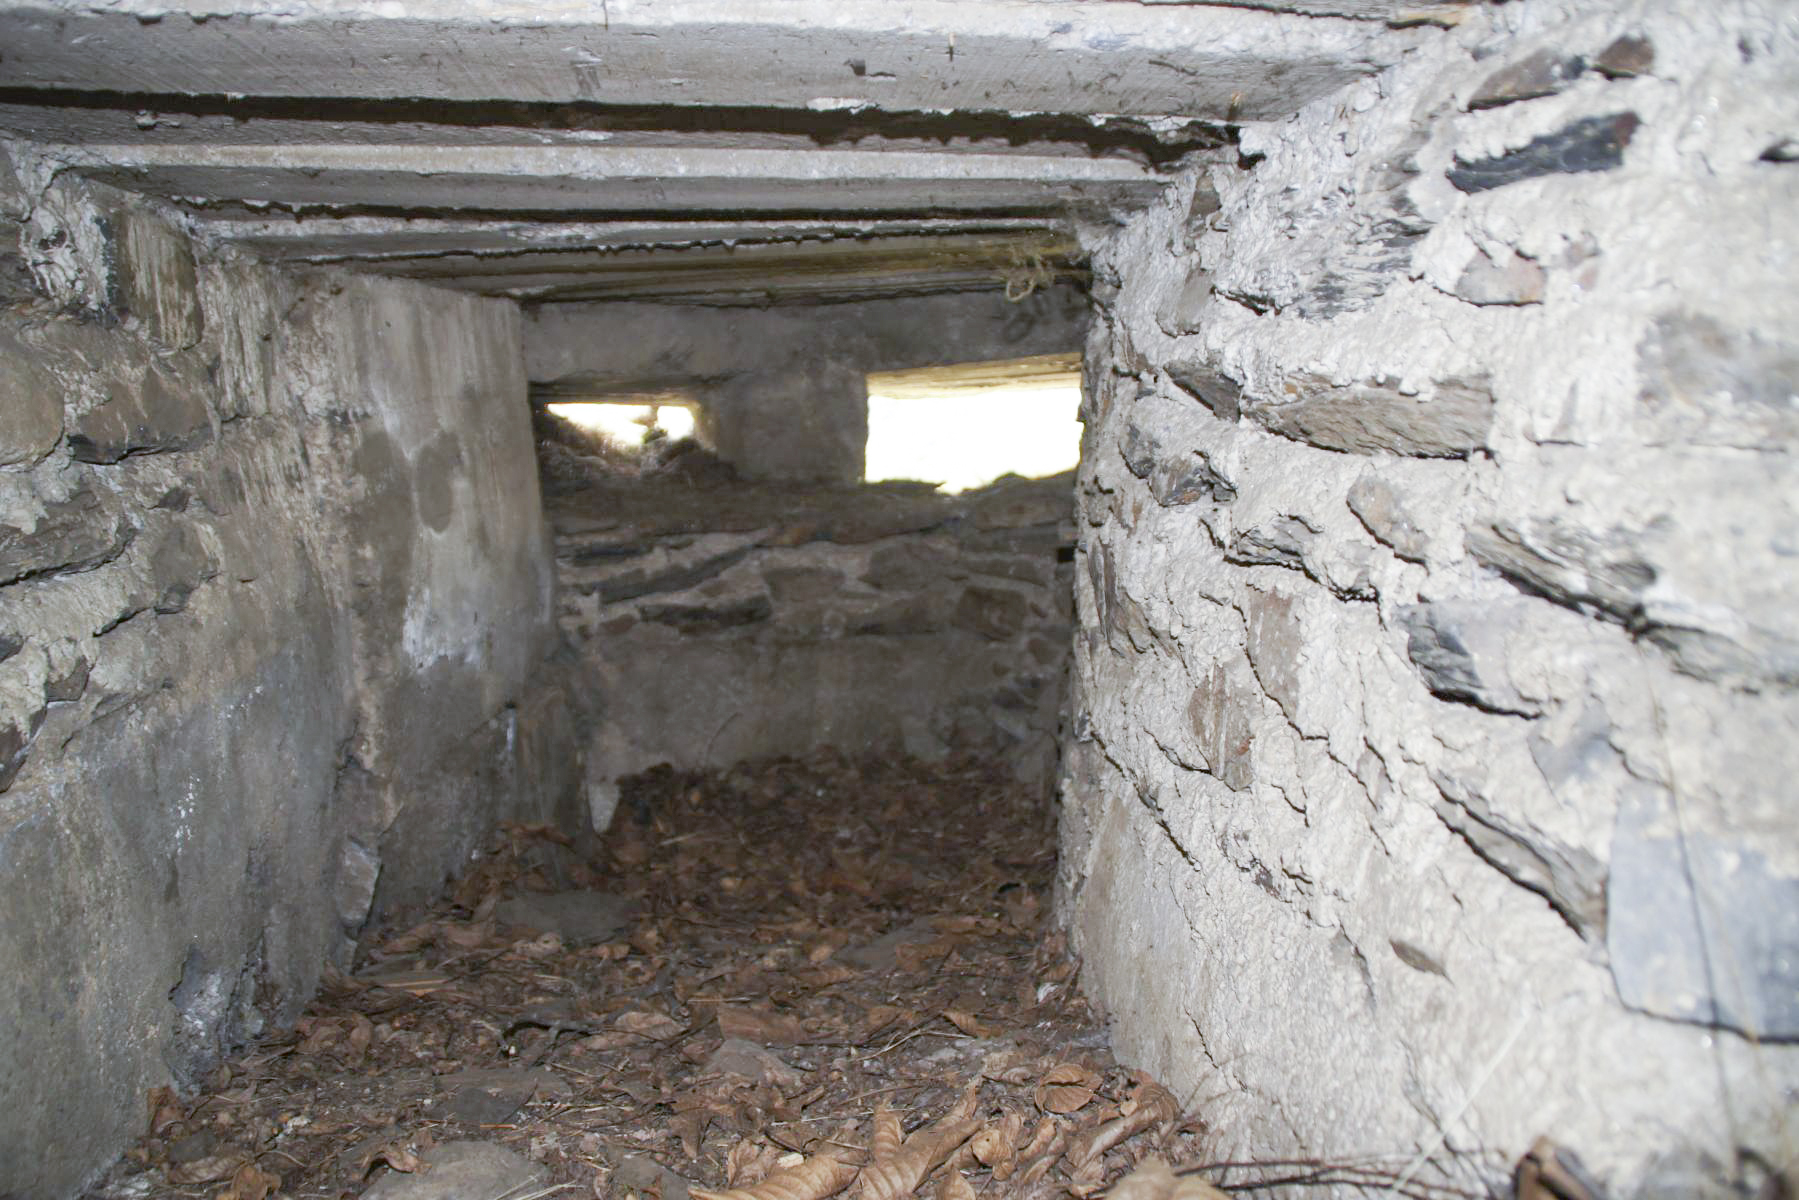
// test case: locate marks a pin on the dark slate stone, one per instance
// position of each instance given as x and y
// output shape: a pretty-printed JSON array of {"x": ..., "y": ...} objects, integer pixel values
[
  {"x": 703, "y": 618},
  {"x": 1703, "y": 928},
  {"x": 1212, "y": 388},
  {"x": 1374, "y": 418},
  {"x": 1416, "y": 958},
  {"x": 909, "y": 616},
  {"x": 1377, "y": 507},
  {"x": 1460, "y": 650},
  {"x": 179, "y": 565},
  {"x": 995, "y": 613},
  {"x": 154, "y": 416},
  {"x": 13, "y": 744},
  {"x": 803, "y": 585},
  {"x": 1511, "y": 279},
  {"x": 1711, "y": 384},
  {"x": 1586, "y": 145},
  {"x": 1543, "y": 73},
  {"x": 1173, "y": 480},
  {"x": 1219, "y": 716},
  {"x": 589, "y": 553},
  {"x": 1599, "y": 574},
  {"x": 1185, "y": 311},
  {"x": 1626, "y": 58},
  {"x": 10, "y": 644},
  {"x": 69, "y": 687},
  {"x": 1376, "y": 249},
  {"x": 675, "y": 579},
  {"x": 1205, "y": 202},
  {"x": 77, "y": 534},
  {"x": 31, "y": 419},
  {"x": 1281, "y": 543},
  {"x": 1786, "y": 150},
  {"x": 1276, "y": 646},
  {"x": 1570, "y": 879}
]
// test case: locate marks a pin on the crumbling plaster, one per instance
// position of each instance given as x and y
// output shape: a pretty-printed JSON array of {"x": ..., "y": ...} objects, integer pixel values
[{"x": 1437, "y": 636}]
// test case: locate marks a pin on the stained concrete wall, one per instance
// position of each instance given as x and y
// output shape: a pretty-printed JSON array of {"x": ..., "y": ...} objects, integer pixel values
[
  {"x": 1435, "y": 726},
  {"x": 273, "y": 577},
  {"x": 781, "y": 390},
  {"x": 725, "y": 623}
]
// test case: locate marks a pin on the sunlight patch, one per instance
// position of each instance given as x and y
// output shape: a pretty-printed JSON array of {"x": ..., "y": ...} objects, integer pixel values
[{"x": 966, "y": 425}]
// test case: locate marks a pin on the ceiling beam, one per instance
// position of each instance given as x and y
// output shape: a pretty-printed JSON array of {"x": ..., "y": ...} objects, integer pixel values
[
  {"x": 549, "y": 179},
  {"x": 1017, "y": 56},
  {"x": 380, "y": 240}
]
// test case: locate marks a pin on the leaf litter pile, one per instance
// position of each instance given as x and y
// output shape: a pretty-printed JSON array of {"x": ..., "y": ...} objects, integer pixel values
[{"x": 789, "y": 981}]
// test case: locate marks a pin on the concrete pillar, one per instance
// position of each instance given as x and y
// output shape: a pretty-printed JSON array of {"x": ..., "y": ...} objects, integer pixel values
[{"x": 801, "y": 423}]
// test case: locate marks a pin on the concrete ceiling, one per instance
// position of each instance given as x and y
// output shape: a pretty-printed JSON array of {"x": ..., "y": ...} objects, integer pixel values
[{"x": 712, "y": 150}]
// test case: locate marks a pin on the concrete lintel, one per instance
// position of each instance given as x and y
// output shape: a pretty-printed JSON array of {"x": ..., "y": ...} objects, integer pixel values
[
  {"x": 601, "y": 179},
  {"x": 325, "y": 240},
  {"x": 851, "y": 266},
  {"x": 1020, "y": 56}
]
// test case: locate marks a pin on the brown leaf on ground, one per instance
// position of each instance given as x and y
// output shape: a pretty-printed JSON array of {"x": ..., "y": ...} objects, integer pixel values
[
  {"x": 164, "y": 1108},
  {"x": 396, "y": 1154},
  {"x": 768, "y": 1028},
  {"x": 814, "y": 1179},
  {"x": 654, "y": 1025},
  {"x": 897, "y": 1175},
  {"x": 210, "y": 1169},
  {"x": 250, "y": 1182},
  {"x": 1151, "y": 1105},
  {"x": 751, "y": 1160},
  {"x": 888, "y": 1136},
  {"x": 996, "y": 1147},
  {"x": 966, "y": 1022},
  {"x": 1066, "y": 1088},
  {"x": 955, "y": 1186},
  {"x": 1154, "y": 1180}
]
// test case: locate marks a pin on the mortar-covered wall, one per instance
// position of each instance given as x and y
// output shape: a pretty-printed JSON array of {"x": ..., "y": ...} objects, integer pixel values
[
  {"x": 734, "y": 622},
  {"x": 782, "y": 390},
  {"x": 273, "y": 575},
  {"x": 1435, "y": 730}
]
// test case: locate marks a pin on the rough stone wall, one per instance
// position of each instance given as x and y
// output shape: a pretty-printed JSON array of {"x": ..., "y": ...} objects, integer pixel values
[
  {"x": 1435, "y": 733},
  {"x": 273, "y": 574},
  {"x": 782, "y": 390},
  {"x": 735, "y": 622}
]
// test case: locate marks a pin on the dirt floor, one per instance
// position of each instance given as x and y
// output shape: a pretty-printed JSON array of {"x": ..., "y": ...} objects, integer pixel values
[{"x": 781, "y": 983}]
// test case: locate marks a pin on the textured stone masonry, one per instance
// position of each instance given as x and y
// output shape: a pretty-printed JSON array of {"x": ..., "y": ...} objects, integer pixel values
[{"x": 1431, "y": 778}]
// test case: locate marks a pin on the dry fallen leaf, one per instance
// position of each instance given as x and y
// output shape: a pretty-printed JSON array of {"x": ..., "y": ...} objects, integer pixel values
[
  {"x": 955, "y": 1186},
  {"x": 814, "y": 1179},
  {"x": 996, "y": 1147},
  {"x": 1066, "y": 1088},
  {"x": 888, "y": 1135},
  {"x": 750, "y": 1162},
  {"x": 164, "y": 1108},
  {"x": 966, "y": 1022},
  {"x": 395, "y": 1154},
  {"x": 653, "y": 1025},
  {"x": 1151, "y": 1104},
  {"x": 210, "y": 1169},
  {"x": 1153, "y": 1180},
  {"x": 765, "y": 1027},
  {"x": 250, "y": 1183},
  {"x": 894, "y": 1174}
]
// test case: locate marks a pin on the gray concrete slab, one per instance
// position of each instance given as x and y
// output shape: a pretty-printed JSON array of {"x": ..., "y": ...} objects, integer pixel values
[
  {"x": 514, "y": 179},
  {"x": 1005, "y": 55}
]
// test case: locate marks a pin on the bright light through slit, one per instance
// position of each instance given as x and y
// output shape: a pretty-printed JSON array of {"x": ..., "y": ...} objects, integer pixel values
[
  {"x": 966, "y": 426},
  {"x": 627, "y": 423}
]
